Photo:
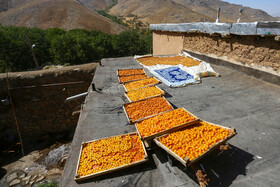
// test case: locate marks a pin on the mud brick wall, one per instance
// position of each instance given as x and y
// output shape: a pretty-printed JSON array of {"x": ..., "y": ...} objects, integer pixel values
[
  {"x": 167, "y": 43},
  {"x": 39, "y": 102},
  {"x": 259, "y": 52}
]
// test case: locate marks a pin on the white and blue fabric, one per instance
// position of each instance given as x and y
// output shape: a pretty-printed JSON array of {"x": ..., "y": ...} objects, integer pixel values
[
  {"x": 174, "y": 76},
  {"x": 184, "y": 75}
]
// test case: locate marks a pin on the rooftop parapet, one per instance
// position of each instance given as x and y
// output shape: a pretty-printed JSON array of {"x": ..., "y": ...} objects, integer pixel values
[{"x": 249, "y": 28}]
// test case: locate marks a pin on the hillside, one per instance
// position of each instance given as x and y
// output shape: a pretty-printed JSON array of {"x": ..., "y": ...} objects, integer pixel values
[
  {"x": 229, "y": 12},
  {"x": 175, "y": 11},
  {"x": 157, "y": 11},
  {"x": 67, "y": 14},
  {"x": 97, "y": 4}
]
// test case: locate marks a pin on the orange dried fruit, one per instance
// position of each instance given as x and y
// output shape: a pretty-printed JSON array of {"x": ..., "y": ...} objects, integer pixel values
[
  {"x": 163, "y": 122},
  {"x": 143, "y": 93},
  {"x": 145, "y": 108},
  {"x": 130, "y": 72},
  {"x": 132, "y": 78},
  {"x": 141, "y": 83},
  {"x": 175, "y": 60},
  {"x": 109, "y": 153},
  {"x": 194, "y": 140}
]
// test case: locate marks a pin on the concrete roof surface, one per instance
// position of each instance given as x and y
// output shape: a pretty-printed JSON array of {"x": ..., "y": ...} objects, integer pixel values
[{"x": 236, "y": 100}]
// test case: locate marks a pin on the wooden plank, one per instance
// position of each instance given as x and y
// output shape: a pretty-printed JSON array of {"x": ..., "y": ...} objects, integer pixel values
[
  {"x": 170, "y": 130},
  {"x": 170, "y": 152},
  {"x": 186, "y": 162},
  {"x": 125, "y": 93},
  {"x": 143, "y": 86},
  {"x": 131, "y": 74},
  {"x": 77, "y": 178}
]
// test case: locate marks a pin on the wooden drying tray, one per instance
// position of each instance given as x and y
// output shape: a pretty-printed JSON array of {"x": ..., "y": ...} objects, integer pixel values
[
  {"x": 77, "y": 178},
  {"x": 186, "y": 162},
  {"x": 125, "y": 93},
  {"x": 131, "y": 74},
  {"x": 148, "y": 139},
  {"x": 132, "y": 122},
  {"x": 131, "y": 80},
  {"x": 143, "y": 86}
]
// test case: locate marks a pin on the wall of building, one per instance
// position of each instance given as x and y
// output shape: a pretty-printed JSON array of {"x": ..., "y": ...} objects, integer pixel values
[
  {"x": 262, "y": 53},
  {"x": 166, "y": 43},
  {"x": 39, "y": 102}
]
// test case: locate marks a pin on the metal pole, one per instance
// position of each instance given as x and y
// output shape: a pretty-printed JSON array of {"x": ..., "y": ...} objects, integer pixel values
[
  {"x": 218, "y": 15},
  {"x": 76, "y": 96},
  {"x": 240, "y": 14}
]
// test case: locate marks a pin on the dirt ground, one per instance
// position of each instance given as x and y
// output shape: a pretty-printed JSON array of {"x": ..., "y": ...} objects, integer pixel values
[
  {"x": 254, "y": 51},
  {"x": 38, "y": 167}
]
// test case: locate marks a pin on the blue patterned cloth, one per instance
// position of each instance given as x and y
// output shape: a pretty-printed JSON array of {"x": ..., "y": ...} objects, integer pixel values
[{"x": 174, "y": 76}]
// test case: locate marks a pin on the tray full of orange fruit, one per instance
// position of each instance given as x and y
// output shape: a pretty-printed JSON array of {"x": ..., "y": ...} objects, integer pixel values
[
  {"x": 131, "y": 78},
  {"x": 164, "y": 123},
  {"x": 127, "y": 72},
  {"x": 138, "y": 110},
  {"x": 140, "y": 84},
  {"x": 194, "y": 142},
  {"x": 102, "y": 156},
  {"x": 170, "y": 60},
  {"x": 144, "y": 93}
]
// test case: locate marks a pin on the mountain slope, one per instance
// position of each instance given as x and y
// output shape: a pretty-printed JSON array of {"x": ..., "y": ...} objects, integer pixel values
[
  {"x": 157, "y": 11},
  {"x": 162, "y": 11},
  {"x": 67, "y": 14},
  {"x": 71, "y": 14},
  {"x": 229, "y": 12},
  {"x": 97, "y": 4}
]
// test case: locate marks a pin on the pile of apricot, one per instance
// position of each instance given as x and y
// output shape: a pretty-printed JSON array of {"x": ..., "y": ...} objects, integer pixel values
[
  {"x": 109, "y": 153},
  {"x": 143, "y": 93},
  {"x": 148, "y": 107},
  {"x": 122, "y": 72},
  {"x": 141, "y": 83},
  {"x": 132, "y": 78},
  {"x": 175, "y": 60},
  {"x": 194, "y": 140},
  {"x": 163, "y": 122}
]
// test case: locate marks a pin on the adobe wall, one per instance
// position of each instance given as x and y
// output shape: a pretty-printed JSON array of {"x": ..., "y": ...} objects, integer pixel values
[
  {"x": 258, "y": 52},
  {"x": 166, "y": 43},
  {"x": 39, "y": 101}
]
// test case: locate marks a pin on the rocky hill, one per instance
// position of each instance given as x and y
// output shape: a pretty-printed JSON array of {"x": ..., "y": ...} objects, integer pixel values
[
  {"x": 229, "y": 12},
  {"x": 67, "y": 14},
  {"x": 158, "y": 11},
  {"x": 71, "y": 14}
]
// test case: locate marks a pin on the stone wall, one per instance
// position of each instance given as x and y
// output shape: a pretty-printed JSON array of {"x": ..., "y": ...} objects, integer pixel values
[{"x": 39, "y": 102}]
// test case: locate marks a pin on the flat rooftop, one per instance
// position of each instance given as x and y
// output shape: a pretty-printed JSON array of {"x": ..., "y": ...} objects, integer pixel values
[
  {"x": 236, "y": 100},
  {"x": 247, "y": 28}
]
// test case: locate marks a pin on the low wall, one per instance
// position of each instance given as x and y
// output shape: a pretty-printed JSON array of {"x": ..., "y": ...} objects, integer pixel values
[
  {"x": 39, "y": 102},
  {"x": 254, "y": 51},
  {"x": 262, "y": 53}
]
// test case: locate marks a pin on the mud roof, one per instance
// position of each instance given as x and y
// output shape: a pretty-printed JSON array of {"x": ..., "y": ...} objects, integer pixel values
[{"x": 249, "y": 28}]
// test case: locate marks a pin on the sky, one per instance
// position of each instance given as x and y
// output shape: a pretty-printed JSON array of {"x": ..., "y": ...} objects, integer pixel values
[{"x": 272, "y": 7}]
